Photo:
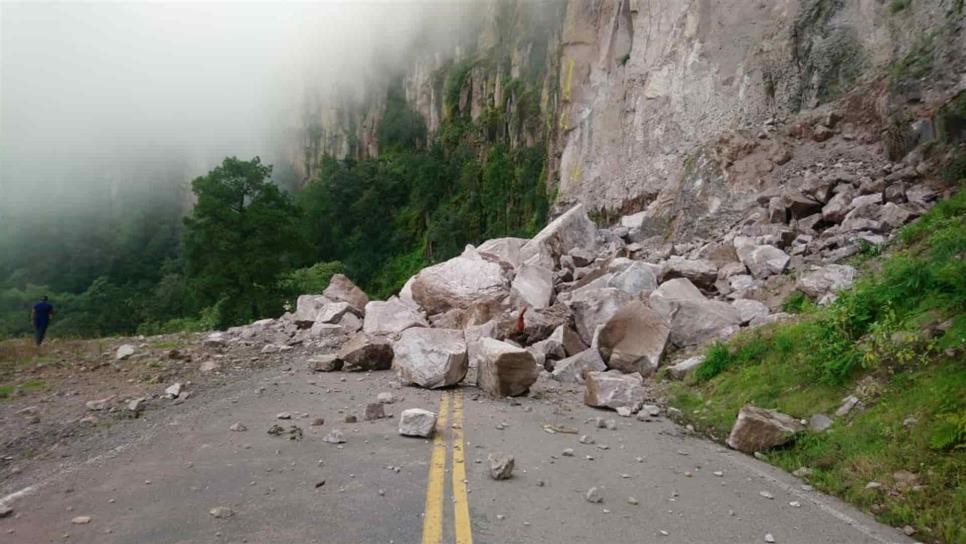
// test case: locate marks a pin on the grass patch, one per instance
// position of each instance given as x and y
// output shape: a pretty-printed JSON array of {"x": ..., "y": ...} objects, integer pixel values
[
  {"x": 6, "y": 391},
  {"x": 899, "y": 5},
  {"x": 896, "y": 340},
  {"x": 918, "y": 62},
  {"x": 165, "y": 345},
  {"x": 797, "y": 302}
]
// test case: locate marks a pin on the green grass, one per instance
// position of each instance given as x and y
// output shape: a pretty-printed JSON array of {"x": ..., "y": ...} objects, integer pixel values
[
  {"x": 898, "y": 5},
  {"x": 896, "y": 340},
  {"x": 165, "y": 345},
  {"x": 917, "y": 62},
  {"x": 30, "y": 385}
]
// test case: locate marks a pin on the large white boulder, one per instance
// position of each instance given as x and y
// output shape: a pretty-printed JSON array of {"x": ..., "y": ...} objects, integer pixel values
[
  {"x": 505, "y": 250},
  {"x": 458, "y": 283},
  {"x": 533, "y": 286},
  {"x": 749, "y": 309},
  {"x": 504, "y": 369},
  {"x": 391, "y": 317},
  {"x": 693, "y": 318},
  {"x": 124, "y": 351},
  {"x": 307, "y": 309},
  {"x": 826, "y": 279},
  {"x": 571, "y": 230},
  {"x": 417, "y": 422},
  {"x": 615, "y": 390},
  {"x": 341, "y": 289},
  {"x": 430, "y": 357},
  {"x": 592, "y": 308},
  {"x": 637, "y": 277},
  {"x": 762, "y": 260},
  {"x": 633, "y": 339},
  {"x": 472, "y": 336},
  {"x": 573, "y": 368}
]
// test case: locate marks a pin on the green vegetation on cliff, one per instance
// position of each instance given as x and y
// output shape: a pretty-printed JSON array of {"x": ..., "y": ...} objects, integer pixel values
[
  {"x": 896, "y": 341},
  {"x": 422, "y": 201},
  {"x": 248, "y": 248}
]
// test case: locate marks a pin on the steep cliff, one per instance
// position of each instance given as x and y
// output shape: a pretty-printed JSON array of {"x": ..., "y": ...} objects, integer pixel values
[{"x": 683, "y": 109}]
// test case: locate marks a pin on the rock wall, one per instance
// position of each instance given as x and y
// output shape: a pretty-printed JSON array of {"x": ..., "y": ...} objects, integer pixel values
[{"x": 676, "y": 107}]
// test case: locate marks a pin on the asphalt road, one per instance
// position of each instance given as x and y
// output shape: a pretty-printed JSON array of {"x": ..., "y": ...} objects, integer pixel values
[{"x": 159, "y": 485}]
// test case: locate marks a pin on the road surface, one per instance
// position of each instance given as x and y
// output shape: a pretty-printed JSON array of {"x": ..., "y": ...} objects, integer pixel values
[{"x": 159, "y": 477}]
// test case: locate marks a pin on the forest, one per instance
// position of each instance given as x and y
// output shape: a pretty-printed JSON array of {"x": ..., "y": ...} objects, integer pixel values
[{"x": 247, "y": 247}]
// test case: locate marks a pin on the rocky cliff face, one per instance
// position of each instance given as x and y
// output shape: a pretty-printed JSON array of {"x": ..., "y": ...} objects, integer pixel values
[{"x": 681, "y": 109}]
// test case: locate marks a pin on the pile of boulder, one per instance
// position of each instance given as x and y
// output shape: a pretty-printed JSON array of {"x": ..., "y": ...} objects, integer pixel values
[{"x": 596, "y": 306}]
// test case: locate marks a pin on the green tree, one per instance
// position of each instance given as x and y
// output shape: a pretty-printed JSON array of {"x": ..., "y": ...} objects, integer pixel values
[{"x": 242, "y": 235}]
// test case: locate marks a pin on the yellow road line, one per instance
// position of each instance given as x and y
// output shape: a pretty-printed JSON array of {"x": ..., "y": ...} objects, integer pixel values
[
  {"x": 461, "y": 508},
  {"x": 433, "y": 515}
]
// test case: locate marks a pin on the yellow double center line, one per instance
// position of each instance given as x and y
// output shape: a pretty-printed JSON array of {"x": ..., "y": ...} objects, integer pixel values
[{"x": 435, "y": 490}]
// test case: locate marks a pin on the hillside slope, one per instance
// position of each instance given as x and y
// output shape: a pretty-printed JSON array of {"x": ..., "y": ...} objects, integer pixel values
[{"x": 880, "y": 375}]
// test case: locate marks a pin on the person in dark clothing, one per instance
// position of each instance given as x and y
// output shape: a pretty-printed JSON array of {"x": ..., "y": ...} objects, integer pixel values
[{"x": 41, "y": 315}]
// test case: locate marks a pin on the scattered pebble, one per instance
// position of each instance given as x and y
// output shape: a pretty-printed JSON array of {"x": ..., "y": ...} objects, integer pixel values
[{"x": 221, "y": 512}]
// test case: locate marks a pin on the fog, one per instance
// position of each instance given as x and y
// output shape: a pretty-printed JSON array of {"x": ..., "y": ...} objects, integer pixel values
[{"x": 99, "y": 97}]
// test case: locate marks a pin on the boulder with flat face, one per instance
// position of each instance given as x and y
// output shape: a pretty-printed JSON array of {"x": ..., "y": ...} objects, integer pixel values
[
  {"x": 761, "y": 260},
  {"x": 430, "y": 357},
  {"x": 532, "y": 286},
  {"x": 749, "y": 309},
  {"x": 633, "y": 340},
  {"x": 366, "y": 352},
  {"x": 417, "y": 422},
  {"x": 333, "y": 312},
  {"x": 757, "y": 429},
  {"x": 570, "y": 231},
  {"x": 504, "y": 369},
  {"x": 391, "y": 317},
  {"x": 573, "y": 368},
  {"x": 835, "y": 209},
  {"x": 826, "y": 279},
  {"x": 702, "y": 273},
  {"x": 307, "y": 309},
  {"x": 325, "y": 363},
  {"x": 592, "y": 308},
  {"x": 693, "y": 319},
  {"x": 615, "y": 390},
  {"x": 341, "y": 289},
  {"x": 680, "y": 370},
  {"x": 635, "y": 278},
  {"x": 459, "y": 283},
  {"x": 505, "y": 250},
  {"x": 568, "y": 340}
]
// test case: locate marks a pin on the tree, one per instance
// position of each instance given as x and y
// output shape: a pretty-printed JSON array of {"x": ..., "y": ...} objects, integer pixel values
[{"x": 242, "y": 235}]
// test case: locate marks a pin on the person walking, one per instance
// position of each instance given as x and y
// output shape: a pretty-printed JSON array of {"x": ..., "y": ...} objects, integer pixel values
[{"x": 41, "y": 315}]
